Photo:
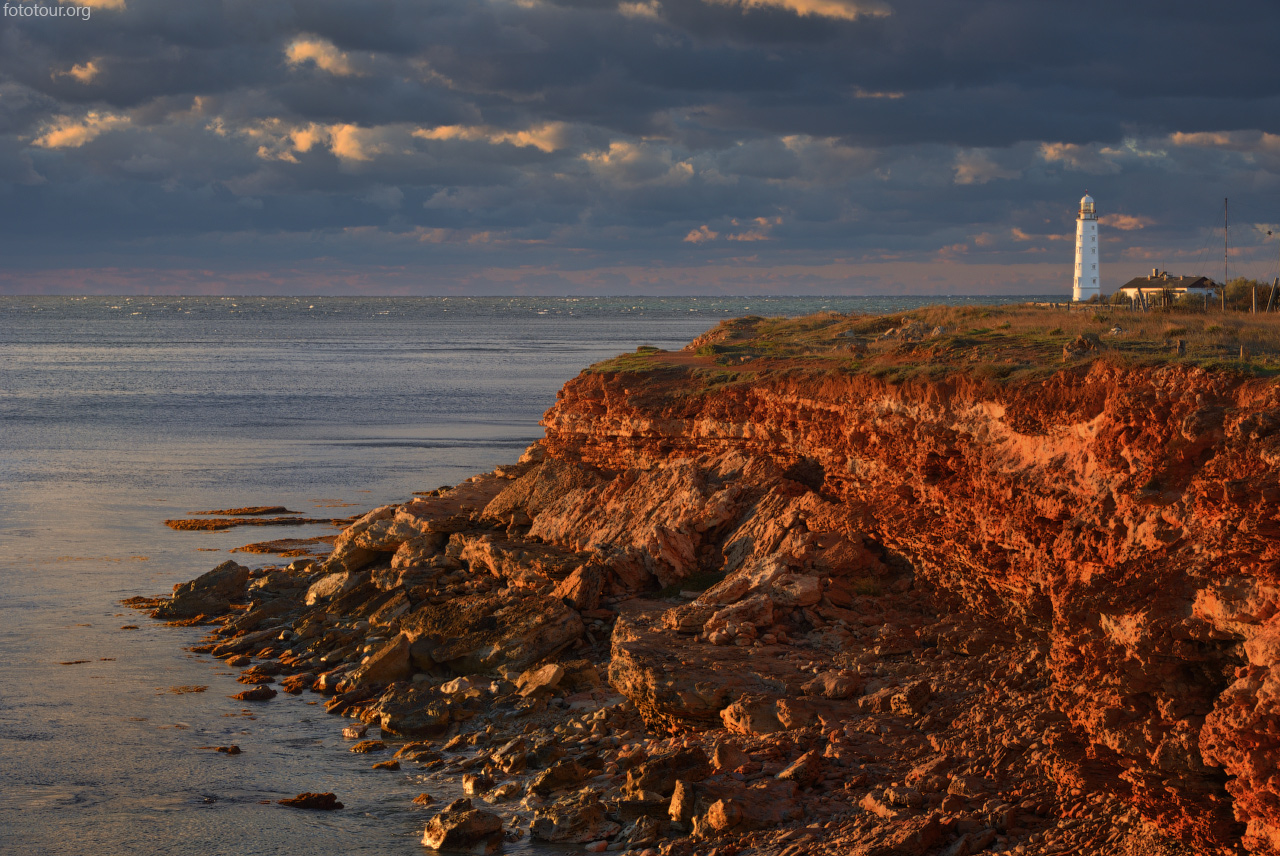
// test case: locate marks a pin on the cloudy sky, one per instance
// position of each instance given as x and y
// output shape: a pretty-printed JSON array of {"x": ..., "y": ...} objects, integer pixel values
[{"x": 631, "y": 146}]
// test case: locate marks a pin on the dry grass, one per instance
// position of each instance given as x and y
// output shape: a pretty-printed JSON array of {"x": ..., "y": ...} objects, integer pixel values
[{"x": 997, "y": 341}]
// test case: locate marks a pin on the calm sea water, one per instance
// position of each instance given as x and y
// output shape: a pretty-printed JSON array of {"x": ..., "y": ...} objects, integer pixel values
[{"x": 117, "y": 413}]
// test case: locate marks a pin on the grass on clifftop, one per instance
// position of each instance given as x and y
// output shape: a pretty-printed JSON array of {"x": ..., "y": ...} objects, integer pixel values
[{"x": 1001, "y": 342}]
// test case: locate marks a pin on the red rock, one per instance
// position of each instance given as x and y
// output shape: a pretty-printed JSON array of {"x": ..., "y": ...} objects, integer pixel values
[
  {"x": 320, "y": 802},
  {"x": 260, "y": 693}
]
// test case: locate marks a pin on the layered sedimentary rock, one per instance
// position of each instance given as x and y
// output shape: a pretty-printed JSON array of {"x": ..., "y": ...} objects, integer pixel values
[{"x": 1126, "y": 516}]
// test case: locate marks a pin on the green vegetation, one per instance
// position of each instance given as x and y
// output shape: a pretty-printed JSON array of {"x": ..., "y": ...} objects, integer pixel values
[
  {"x": 867, "y": 586},
  {"x": 698, "y": 581}
]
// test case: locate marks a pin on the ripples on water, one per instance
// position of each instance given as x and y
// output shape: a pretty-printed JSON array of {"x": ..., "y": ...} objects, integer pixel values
[{"x": 117, "y": 413}]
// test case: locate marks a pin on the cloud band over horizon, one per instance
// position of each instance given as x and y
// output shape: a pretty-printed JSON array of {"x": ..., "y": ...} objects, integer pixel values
[{"x": 601, "y": 147}]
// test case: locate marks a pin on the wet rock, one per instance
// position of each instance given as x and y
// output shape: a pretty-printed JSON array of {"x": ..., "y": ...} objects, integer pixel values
[
  {"x": 387, "y": 765},
  {"x": 573, "y": 820},
  {"x": 320, "y": 802},
  {"x": 355, "y": 732},
  {"x": 506, "y": 792},
  {"x": 424, "y": 799},
  {"x": 261, "y": 693},
  {"x": 295, "y": 684},
  {"x": 474, "y": 784},
  {"x": 558, "y": 777},
  {"x": 364, "y": 747},
  {"x": 208, "y": 594},
  {"x": 413, "y": 710},
  {"x": 462, "y": 827}
]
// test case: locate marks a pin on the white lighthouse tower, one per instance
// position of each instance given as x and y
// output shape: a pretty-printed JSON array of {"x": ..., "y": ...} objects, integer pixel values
[{"x": 1086, "y": 280}]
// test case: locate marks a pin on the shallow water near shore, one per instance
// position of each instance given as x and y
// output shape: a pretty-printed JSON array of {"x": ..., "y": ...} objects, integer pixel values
[{"x": 119, "y": 413}]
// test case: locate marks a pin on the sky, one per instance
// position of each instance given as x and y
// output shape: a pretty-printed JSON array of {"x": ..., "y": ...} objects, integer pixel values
[{"x": 582, "y": 147}]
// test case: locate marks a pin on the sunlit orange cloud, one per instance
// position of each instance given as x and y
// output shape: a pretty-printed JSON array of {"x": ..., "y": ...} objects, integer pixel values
[
  {"x": 650, "y": 9},
  {"x": 65, "y": 132},
  {"x": 847, "y": 10},
  {"x": 1125, "y": 222},
  {"x": 321, "y": 52},
  {"x": 546, "y": 137},
  {"x": 1245, "y": 141},
  {"x": 80, "y": 73}
]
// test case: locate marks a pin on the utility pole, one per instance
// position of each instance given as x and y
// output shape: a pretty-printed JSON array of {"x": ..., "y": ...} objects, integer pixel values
[{"x": 1226, "y": 221}]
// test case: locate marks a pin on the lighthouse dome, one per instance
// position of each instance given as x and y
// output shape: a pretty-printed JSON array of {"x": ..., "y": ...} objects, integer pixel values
[{"x": 1086, "y": 200}]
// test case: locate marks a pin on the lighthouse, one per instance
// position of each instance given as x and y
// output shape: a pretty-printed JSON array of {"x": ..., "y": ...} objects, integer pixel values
[{"x": 1086, "y": 279}]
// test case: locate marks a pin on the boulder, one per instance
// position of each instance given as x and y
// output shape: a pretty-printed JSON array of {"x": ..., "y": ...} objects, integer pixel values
[
  {"x": 763, "y": 804},
  {"x": 387, "y": 664},
  {"x": 539, "y": 487},
  {"x": 756, "y": 611},
  {"x": 347, "y": 554},
  {"x": 461, "y": 827},
  {"x": 582, "y": 588},
  {"x": 912, "y": 699},
  {"x": 805, "y": 770},
  {"x": 573, "y": 820},
  {"x": 795, "y": 590},
  {"x": 210, "y": 593},
  {"x": 334, "y": 585},
  {"x": 543, "y": 679},
  {"x": 705, "y": 681},
  {"x": 911, "y": 837},
  {"x": 482, "y": 632},
  {"x": 413, "y": 710},
  {"x": 752, "y": 715},
  {"x": 319, "y": 802},
  {"x": 834, "y": 685},
  {"x": 659, "y": 775},
  {"x": 558, "y": 777},
  {"x": 419, "y": 550}
]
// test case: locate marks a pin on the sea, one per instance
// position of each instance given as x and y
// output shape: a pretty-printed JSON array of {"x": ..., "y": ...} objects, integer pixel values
[{"x": 117, "y": 413}]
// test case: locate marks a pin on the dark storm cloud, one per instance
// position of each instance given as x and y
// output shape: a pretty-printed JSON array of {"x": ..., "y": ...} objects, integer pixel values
[{"x": 455, "y": 136}]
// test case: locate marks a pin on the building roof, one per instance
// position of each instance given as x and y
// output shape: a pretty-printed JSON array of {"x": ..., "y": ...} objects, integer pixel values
[{"x": 1164, "y": 280}]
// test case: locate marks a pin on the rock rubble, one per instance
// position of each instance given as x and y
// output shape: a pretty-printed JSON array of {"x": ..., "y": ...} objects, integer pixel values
[{"x": 770, "y": 623}]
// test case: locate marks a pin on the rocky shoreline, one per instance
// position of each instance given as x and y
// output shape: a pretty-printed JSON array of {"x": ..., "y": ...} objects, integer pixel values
[{"x": 814, "y": 613}]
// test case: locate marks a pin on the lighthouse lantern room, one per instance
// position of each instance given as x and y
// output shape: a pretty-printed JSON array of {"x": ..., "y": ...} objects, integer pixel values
[{"x": 1086, "y": 278}]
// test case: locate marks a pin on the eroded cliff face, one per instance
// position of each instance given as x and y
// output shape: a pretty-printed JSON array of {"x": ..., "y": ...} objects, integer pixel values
[{"x": 1126, "y": 518}]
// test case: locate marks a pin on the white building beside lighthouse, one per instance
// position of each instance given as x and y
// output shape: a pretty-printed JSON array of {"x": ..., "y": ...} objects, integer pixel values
[{"x": 1086, "y": 279}]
